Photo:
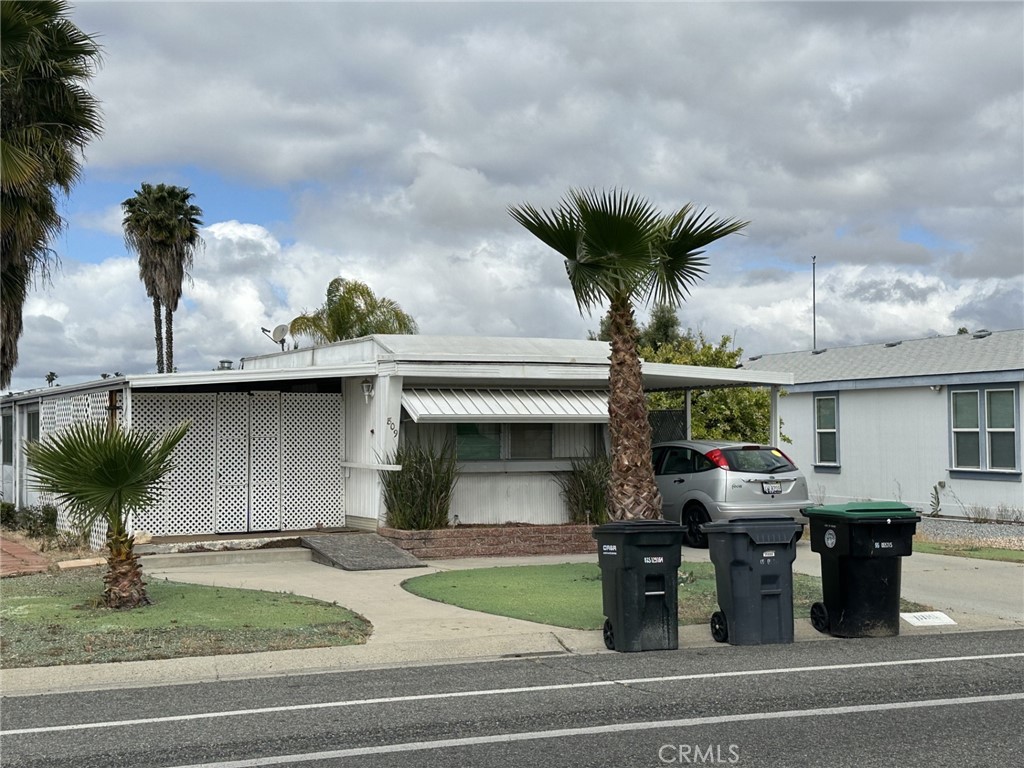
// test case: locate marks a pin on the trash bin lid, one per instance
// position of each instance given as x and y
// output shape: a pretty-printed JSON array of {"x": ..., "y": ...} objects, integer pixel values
[
  {"x": 777, "y": 529},
  {"x": 637, "y": 526},
  {"x": 861, "y": 510}
]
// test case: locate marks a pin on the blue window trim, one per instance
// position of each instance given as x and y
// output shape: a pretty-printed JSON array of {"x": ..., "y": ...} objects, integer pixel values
[{"x": 984, "y": 472}]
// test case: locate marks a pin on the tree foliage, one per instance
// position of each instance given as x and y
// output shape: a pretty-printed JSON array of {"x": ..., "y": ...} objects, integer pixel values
[
  {"x": 735, "y": 413},
  {"x": 352, "y": 311},
  {"x": 46, "y": 120}
]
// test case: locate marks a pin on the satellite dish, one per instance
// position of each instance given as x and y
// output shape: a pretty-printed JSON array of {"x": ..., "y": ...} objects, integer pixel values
[{"x": 279, "y": 333}]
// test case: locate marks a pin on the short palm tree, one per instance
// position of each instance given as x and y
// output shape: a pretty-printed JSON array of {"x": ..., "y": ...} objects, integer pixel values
[
  {"x": 161, "y": 225},
  {"x": 352, "y": 311},
  {"x": 102, "y": 472},
  {"x": 46, "y": 120},
  {"x": 619, "y": 249}
]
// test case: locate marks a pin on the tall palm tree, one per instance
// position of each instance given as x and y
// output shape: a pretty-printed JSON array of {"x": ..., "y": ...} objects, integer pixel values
[
  {"x": 46, "y": 120},
  {"x": 619, "y": 249},
  {"x": 351, "y": 311},
  {"x": 161, "y": 225},
  {"x": 103, "y": 472}
]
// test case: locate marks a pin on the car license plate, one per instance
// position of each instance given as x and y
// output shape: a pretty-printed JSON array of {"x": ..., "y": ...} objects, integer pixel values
[{"x": 773, "y": 488}]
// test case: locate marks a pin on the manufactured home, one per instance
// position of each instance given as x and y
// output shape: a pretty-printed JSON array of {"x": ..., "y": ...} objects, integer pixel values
[
  {"x": 297, "y": 439},
  {"x": 934, "y": 423}
]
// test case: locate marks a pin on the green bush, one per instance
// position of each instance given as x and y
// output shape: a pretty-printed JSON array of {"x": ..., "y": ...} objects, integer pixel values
[
  {"x": 419, "y": 496},
  {"x": 38, "y": 522},
  {"x": 585, "y": 490},
  {"x": 8, "y": 516}
]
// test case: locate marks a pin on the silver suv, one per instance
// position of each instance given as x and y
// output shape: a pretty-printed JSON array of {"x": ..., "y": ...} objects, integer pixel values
[{"x": 705, "y": 480}]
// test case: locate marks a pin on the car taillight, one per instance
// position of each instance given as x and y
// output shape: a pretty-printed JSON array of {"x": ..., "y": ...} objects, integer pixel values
[
  {"x": 784, "y": 456},
  {"x": 717, "y": 458}
]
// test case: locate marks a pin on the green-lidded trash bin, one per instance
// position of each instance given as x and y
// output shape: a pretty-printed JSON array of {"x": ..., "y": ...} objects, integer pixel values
[
  {"x": 639, "y": 562},
  {"x": 861, "y": 544},
  {"x": 753, "y": 560}
]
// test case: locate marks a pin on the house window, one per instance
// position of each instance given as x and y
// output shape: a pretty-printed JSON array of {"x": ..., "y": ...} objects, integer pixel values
[
  {"x": 826, "y": 428},
  {"x": 32, "y": 427},
  {"x": 478, "y": 442},
  {"x": 7, "y": 425},
  {"x": 984, "y": 429},
  {"x": 494, "y": 442}
]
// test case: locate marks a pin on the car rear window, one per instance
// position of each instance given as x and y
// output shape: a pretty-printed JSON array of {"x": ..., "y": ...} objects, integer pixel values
[{"x": 757, "y": 460}]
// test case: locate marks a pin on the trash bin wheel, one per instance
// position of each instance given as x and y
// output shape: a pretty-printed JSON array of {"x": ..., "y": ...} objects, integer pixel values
[
  {"x": 609, "y": 635},
  {"x": 719, "y": 627},
  {"x": 819, "y": 617}
]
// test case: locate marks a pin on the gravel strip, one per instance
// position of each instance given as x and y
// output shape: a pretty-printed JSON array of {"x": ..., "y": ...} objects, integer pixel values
[{"x": 1001, "y": 535}]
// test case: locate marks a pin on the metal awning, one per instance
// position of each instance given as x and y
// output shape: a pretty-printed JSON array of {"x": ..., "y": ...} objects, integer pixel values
[{"x": 506, "y": 405}]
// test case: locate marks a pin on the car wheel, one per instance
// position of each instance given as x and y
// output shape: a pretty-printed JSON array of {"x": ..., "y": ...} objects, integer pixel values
[
  {"x": 609, "y": 635},
  {"x": 719, "y": 627},
  {"x": 819, "y": 617},
  {"x": 695, "y": 517}
]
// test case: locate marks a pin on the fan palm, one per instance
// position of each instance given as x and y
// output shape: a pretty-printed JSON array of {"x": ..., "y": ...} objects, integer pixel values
[
  {"x": 619, "y": 249},
  {"x": 102, "y": 472},
  {"x": 46, "y": 120},
  {"x": 351, "y": 311},
  {"x": 161, "y": 225}
]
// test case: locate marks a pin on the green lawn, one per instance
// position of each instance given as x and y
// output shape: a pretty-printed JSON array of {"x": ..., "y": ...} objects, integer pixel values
[
  {"x": 569, "y": 594},
  {"x": 52, "y": 619},
  {"x": 962, "y": 549}
]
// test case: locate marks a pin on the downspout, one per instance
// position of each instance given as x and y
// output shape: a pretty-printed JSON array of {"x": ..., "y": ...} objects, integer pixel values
[
  {"x": 689, "y": 423},
  {"x": 774, "y": 433}
]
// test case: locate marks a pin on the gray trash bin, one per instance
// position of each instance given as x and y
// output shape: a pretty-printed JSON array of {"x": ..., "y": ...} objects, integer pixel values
[
  {"x": 753, "y": 560},
  {"x": 639, "y": 562}
]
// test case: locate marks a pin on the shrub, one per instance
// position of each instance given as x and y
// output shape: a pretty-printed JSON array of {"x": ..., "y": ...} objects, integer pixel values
[
  {"x": 419, "y": 496},
  {"x": 8, "y": 516},
  {"x": 585, "y": 490},
  {"x": 38, "y": 522}
]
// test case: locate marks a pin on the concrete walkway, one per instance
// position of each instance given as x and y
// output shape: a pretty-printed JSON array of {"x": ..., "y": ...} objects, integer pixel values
[{"x": 408, "y": 630}]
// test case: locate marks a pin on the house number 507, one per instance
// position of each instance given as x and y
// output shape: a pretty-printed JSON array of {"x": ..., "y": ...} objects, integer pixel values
[{"x": 393, "y": 427}]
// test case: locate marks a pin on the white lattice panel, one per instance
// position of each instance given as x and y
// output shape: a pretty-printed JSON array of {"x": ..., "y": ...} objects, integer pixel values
[
  {"x": 232, "y": 462},
  {"x": 312, "y": 449},
  {"x": 187, "y": 496},
  {"x": 265, "y": 461}
]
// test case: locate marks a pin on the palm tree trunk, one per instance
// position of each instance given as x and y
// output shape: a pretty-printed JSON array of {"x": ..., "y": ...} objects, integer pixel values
[
  {"x": 159, "y": 335},
  {"x": 632, "y": 491},
  {"x": 169, "y": 338},
  {"x": 125, "y": 587}
]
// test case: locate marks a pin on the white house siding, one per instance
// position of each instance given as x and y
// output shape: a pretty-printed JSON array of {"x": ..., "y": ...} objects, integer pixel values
[
  {"x": 372, "y": 436},
  {"x": 507, "y": 492},
  {"x": 514, "y": 497},
  {"x": 894, "y": 444}
]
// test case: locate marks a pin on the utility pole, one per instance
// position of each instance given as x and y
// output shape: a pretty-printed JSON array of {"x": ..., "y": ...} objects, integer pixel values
[{"x": 814, "y": 305}]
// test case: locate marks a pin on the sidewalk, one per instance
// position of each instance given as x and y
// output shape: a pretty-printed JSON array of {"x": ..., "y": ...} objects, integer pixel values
[{"x": 18, "y": 560}]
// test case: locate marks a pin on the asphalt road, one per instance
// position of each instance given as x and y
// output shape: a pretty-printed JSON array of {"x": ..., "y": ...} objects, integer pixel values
[{"x": 939, "y": 700}]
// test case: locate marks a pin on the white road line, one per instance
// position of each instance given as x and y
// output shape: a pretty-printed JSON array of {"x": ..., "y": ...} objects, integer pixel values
[
  {"x": 690, "y": 722},
  {"x": 496, "y": 692}
]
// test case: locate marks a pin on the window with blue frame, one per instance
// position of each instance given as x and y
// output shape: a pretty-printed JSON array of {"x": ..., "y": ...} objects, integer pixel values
[{"x": 984, "y": 426}]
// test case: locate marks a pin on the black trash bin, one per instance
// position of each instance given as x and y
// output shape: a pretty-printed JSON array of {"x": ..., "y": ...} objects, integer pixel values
[
  {"x": 861, "y": 544},
  {"x": 639, "y": 562},
  {"x": 753, "y": 560}
]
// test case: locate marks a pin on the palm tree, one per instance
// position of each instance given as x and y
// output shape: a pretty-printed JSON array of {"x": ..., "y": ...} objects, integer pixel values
[
  {"x": 352, "y": 311},
  {"x": 46, "y": 120},
  {"x": 618, "y": 248},
  {"x": 50, "y": 378},
  {"x": 161, "y": 225},
  {"x": 103, "y": 472}
]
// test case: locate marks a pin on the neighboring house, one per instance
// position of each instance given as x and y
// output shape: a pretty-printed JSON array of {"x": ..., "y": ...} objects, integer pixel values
[
  {"x": 903, "y": 420},
  {"x": 297, "y": 439}
]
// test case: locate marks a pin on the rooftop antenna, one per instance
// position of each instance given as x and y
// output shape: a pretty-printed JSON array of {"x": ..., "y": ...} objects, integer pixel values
[
  {"x": 814, "y": 305},
  {"x": 277, "y": 335}
]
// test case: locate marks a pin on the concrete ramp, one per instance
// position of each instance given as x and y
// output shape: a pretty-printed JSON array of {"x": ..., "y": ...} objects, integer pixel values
[{"x": 358, "y": 552}]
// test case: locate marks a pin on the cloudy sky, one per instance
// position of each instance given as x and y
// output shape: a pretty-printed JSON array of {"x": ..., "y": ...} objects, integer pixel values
[{"x": 385, "y": 141}]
